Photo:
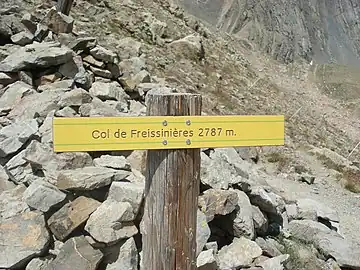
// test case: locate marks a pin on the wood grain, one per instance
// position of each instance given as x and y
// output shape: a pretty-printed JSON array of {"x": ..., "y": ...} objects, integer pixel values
[{"x": 172, "y": 188}]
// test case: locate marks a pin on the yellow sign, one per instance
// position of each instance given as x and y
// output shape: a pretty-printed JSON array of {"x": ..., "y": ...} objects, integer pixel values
[{"x": 165, "y": 132}]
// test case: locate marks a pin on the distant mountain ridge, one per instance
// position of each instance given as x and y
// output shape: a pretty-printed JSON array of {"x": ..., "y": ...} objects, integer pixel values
[{"x": 326, "y": 31}]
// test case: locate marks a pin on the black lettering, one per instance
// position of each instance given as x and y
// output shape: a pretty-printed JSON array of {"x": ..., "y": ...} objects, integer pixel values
[
  {"x": 185, "y": 133},
  {"x": 176, "y": 133},
  {"x": 133, "y": 133},
  {"x": 117, "y": 134},
  {"x": 123, "y": 134},
  {"x": 201, "y": 131},
  {"x": 191, "y": 133},
  {"x": 95, "y": 134},
  {"x": 144, "y": 134}
]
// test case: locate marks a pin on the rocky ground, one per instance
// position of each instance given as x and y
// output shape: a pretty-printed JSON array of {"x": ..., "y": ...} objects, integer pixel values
[{"x": 292, "y": 207}]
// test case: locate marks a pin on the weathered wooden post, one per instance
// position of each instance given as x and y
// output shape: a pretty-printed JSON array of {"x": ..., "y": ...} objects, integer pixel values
[
  {"x": 64, "y": 6},
  {"x": 172, "y": 189}
]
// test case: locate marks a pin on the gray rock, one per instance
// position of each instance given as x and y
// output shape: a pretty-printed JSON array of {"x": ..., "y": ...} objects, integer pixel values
[
  {"x": 76, "y": 97},
  {"x": 206, "y": 260},
  {"x": 103, "y": 54},
  {"x": 78, "y": 254},
  {"x": 276, "y": 263},
  {"x": 84, "y": 79},
  {"x": 19, "y": 170},
  {"x": 137, "y": 108},
  {"x": 5, "y": 184},
  {"x": 132, "y": 66},
  {"x": 71, "y": 215},
  {"x": 22, "y": 237},
  {"x": 66, "y": 112},
  {"x": 11, "y": 203},
  {"x": 143, "y": 88},
  {"x": 23, "y": 38},
  {"x": 154, "y": 27},
  {"x": 261, "y": 223},
  {"x": 26, "y": 77},
  {"x": 243, "y": 223},
  {"x": 28, "y": 20},
  {"x": 128, "y": 47},
  {"x": 46, "y": 128},
  {"x": 213, "y": 246},
  {"x": 93, "y": 62},
  {"x": 307, "y": 178},
  {"x": 39, "y": 263},
  {"x": 114, "y": 162},
  {"x": 240, "y": 253},
  {"x": 292, "y": 211},
  {"x": 111, "y": 222},
  {"x": 13, "y": 137},
  {"x": 58, "y": 22},
  {"x": 64, "y": 85},
  {"x": 108, "y": 91},
  {"x": 128, "y": 257},
  {"x": 98, "y": 108},
  {"x": 41, "y": 32},
  {"x": 104, "y": 73},
  {"x": 71, "y": 68},
  {"x": 331, "y": 159},
  {"x": 127, "y": 192},
  {"x": 130, "y": 83},
  {"x": 322, "y": 211},
  {"x": 9, "y": 25},
  {"x": 329, "y": 243},
  {"x": 268, "y": 246},
  {"x": 217, "y": 202},
  {"x": 189, "y": 47},
  {"x": 266, "y": 200},
  {"x": 6, "y": 79},
  {"x": 82, "y": 43},
  {"x": 88, "y": 178},
  {"x": 39, "y": 55},
  {"x": 42, "y": 195},
  {"x": 12, "y": 94},
  {"x": 202, "y": 232},
  {"x": 36, "y": 105}
]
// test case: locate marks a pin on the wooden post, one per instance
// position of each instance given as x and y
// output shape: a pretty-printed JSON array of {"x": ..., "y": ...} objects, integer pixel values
[
  {"x": 172, "y": 188},
  {"x": 64, "y": 6}
]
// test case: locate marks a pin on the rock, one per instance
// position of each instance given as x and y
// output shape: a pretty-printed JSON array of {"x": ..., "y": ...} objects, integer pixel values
[
  {"x": 76, "y": 97},
  {"x": 143, "y": 88},
  {"x": 26, "y": 77},
  {"x": 71, "y": 216},
  {"x": 189, "y": 47},
  {"x": 29, "y": 21},
  {"x": 84, "y": 79},
  {"x": 23, "y": 38},
  {"x": 13, "y": 137},
  {"x": 9, "y": 25},
  {"x": 261, "y": 223},
  {"x": 127, "y": 192},
  {"x": 329, "y": 243},
  {"x": 266, "y": 200},
  {"x": 137, "y": 108},
  {"x": 36, "y": 105},
  {"x": 212, "y": 245},
  {"x": 12, "y": 94},
  {"x": 108, "y": 91},
  {"x": 66, "y": 112},
  {"x": 39, "y": 263},
  {"x": 128, "y": 47},
  {"x": 11, "y": 203},
  {"x": 101, "y": 72},
  {"x": 239, "y": 254},
  {"x": 268, "y": 246},
  {"x": 132, "y": 66},
  {"x": 275, "y": 263},
  {"x": 6, "y": 79},
  {"x": 202, "y": 232},
  {"x": 292, "y": 211},
  {"x": 137, "y": 160},
  {"x": 82, "y": 44},
  {"x": 331, "y": 159},
  {"x": 64, "y": 85},
  {"x": 206, "y": 260},
  {"x": 322, "y": 211},
  {"x": 114, "y": 162},
  {"x": 93, "y": 62},
  {"x": 307, "y": 178},
  {"x": 88, "y": 178},
  {"x": 154, "y": 27},
  {"x": 103, "y": 54},
  {"x": 131, "y": 82},
  {"x": 128, "y": 257},
  {"x": 111, "y": 222},
  {"x": 243, "y": 223},
  {"x": 41, "y": 32},
  {"x": 78, "y": 254},
  {"x": 72, "y": 67},
  {"x": 22, "y": 237},
  {"x": 5, "y": 184},
  {"x": 217, "y": 202},
  {"x": 42, "y": 195},
  {"x": 98, "y": 108},
  {"x": 58, "y": 22},
  {"x": 39, "y": 55}
]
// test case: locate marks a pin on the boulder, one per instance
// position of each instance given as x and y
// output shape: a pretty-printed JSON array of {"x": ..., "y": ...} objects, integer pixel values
[
  {"x": 114, "y": 162},
  {"x": 11, "y": 203},
  {"x": 22, "y": 38},
  {"x": 6, "y": 79},
  {"x": 261, "y": 222},
  {"x": 71, "y": 216},
  {"x": 12, "y": 94},
  {"x": 58, "y": 22},
  {"x": 98, "y": 108},
  {"x": 329, "y": 243},
  {"x": 128, "y": 257},
  {"x": 217, "y": 202},
  {"x": 39, "y": 263},
  {"x": 22, "y": 237},
  {"x": 267, "y": 200},
  {"x": 88, "y": 178},
  {"x": 127, "y": 192},
  {"x": 239, "y": 254},
  {"x": 77, "y": 254},
  {"x": 42, "y": 195},
  {"x": 243, "y": 223},
  {"x": 104, "y": 54},
  {"x": 322, "y": 211},
  {"x": 37, "y": 55},
  {"x": 269, "y": 246},
  {"x": 111, "y": 222},
  {"x": 189, "y": 47},
  {"x": 276, "y": 263},
  {"x": 76, "y": 97},
  {"x": 202, "y": 232},
  {"x": 128, "y": 47},
  {"x": 5, "y": 183},
  {"x": 108, "y": 91},
  {"x": 206, "y": 260}
]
